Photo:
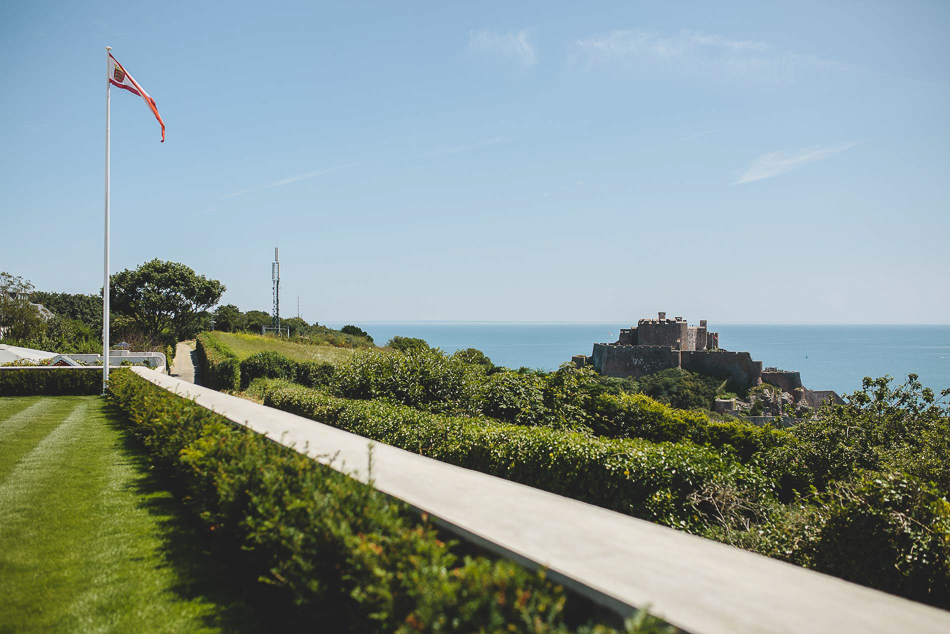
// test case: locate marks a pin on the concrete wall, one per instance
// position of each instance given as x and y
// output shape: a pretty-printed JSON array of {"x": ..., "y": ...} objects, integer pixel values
[
  {"x": 738, "y": 367},
  {"x": 633, "y": 361}
]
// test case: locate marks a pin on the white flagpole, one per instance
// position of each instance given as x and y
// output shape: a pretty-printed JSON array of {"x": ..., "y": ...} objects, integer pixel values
[{"x": 105, "y": 264}]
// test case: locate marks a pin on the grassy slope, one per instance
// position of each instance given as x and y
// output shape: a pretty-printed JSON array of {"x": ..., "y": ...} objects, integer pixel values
[
  {"x": 245, "y": 345},
  {"x": 89, "y": 540}
]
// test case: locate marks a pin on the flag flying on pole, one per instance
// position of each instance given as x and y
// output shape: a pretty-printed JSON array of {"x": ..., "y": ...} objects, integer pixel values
[{"x": 121, "y": 78}]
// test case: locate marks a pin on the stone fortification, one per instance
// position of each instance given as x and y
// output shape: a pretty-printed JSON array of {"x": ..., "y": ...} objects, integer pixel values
[{"x": 660, "y": 344}]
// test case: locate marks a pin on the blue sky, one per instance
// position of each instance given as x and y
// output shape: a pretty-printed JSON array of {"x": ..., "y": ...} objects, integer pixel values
[{"x": 732, "y": 161}]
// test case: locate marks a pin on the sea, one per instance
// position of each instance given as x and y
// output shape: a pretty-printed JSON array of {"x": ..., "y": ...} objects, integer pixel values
[{"x": 829, "y": 357}]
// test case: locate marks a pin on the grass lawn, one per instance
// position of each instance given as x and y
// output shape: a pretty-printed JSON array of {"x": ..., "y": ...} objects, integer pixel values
[
  {"x": 245, "y": 345},
  {"x": 89, "y": 538}
]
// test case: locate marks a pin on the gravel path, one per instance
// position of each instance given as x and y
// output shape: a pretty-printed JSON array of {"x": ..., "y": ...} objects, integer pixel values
[{"x": 184, "y": 365}]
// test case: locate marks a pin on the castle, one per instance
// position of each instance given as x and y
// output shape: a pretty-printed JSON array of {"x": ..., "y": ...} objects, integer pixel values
[{"x": 660, "y": 344}]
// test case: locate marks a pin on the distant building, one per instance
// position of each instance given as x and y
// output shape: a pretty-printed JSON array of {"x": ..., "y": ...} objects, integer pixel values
[{"x": 660, "y": 344}]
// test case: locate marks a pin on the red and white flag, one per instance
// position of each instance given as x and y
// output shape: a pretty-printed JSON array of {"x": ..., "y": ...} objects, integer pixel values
[{"x": 121, "y": 78}]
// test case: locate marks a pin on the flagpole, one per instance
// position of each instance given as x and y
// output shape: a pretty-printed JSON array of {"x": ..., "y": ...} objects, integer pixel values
[{"x": 105, "y": 263}]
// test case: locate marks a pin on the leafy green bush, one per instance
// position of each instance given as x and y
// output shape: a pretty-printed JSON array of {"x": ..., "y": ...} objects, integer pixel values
[
  {"x": 219, "y": 366},
  {"x": 337, "y": 554},
  {"x": 514, "y": 398},
  {"x": 426, "y": 379},
  {"x": 269, "y": 365},
  {"x": 356, "y": 331},
  {"x": 50, "y": 381},
  {"x": 881, "y": 428},
  {"x": 405, "y": 344},
  {"x": 315, "y": 373},
  {"x": 681, "y": 388},
  {"x": 636, "y": 477},
  {"x": 885, "y": 530}
]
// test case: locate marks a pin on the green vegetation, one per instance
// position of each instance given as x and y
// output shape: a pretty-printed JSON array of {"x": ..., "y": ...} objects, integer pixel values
[
  {"x": 333, "y": 551},
  {"x": 89, "y": 539},
  {"x": 220, "y": 368},
  {"x": 50, "y": 382},
  {"x": 245, "y": 345},
  {"x": 876, "y": 466},
  {"x": 653, "y": 481}
]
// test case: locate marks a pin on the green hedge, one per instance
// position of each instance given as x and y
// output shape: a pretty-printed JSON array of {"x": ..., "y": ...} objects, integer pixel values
[
  {"x": 220, "y": 368},
  {"x": 340, "y": 555},
  {"x": 656, "y": 482},
  {"x": 50, "y": 382}
]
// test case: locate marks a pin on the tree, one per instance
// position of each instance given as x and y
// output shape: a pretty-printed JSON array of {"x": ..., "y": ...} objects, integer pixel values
[
  {"x": 85, "y": 308},
  {"x": 229, "y": 318},
  {"x": 356, "y": 331},
  {"x": 19, "y": 319},
  {"x": 164, "y": 299},
  {"x": 406, "y": 344},
  {"x": 256, "y": 319},
  {"x": 297, "y": 325}
]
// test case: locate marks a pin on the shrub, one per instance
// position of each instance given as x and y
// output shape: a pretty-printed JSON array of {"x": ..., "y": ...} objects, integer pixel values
[
  {"x": 337, "y": 554},
  {"x": 356, "y": 331},
  {"x": 636, "y": 477},
  {"x": 881, "y": 428},
  {"x": 314, "y": 373},
  {"x": 219, "y": 366},
  {"x": 405, "y": 344},
  {"x": 426, "y": 379},
  {"x": 50, "y": 381},
  {"x": 514, "y": 398},
  {"x": 269, "y": 365},
  {"x": 681, "y": 389},
  {"x": 885, "y": 530}
]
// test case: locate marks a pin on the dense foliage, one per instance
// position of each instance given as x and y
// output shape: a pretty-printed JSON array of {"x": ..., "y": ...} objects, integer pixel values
[
  {"x": 653, "y": 481},
  {"x": 681, "y": 388},
  {"x": 336, "y": 554},
  {"x": 81, "y": 307},
  {"x": 778, "y": 492},
  {"x": 165, "y": 300},
  {"x": 50, "y": 381}
]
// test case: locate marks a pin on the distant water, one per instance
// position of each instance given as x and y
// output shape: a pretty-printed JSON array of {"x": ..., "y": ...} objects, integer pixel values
[{"x": 828, "y": 357}]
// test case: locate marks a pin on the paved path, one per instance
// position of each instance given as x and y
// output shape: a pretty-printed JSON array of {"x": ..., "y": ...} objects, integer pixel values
[
  {"x": 702, "y": 586},
  {"x": 184, "y": 365}
]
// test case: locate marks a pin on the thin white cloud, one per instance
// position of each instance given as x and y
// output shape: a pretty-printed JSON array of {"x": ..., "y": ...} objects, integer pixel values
[
  {"x": 774, "y": 163},
  {"x": 471, "y": 146},
  {"x": 510, "y": 45},
  {"x": 289, "y": 180},
  {"x": 239, "y": 192},
  {"x": 692, "y": 52},
  {"x": 309, "y": 175}
]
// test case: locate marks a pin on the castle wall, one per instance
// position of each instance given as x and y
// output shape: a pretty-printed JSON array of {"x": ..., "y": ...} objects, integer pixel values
[
  {"x": 628, "y": 337},
  {"x": 738, "y": 367},
  {"x": 666, "y": 332},
  {"x": 633, "y": 361},
  {"x": 783, "y": 380}
]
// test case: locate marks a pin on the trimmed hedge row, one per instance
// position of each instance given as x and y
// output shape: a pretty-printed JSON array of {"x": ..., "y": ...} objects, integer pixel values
[
  {"x": 50, "y": 381},
  {"x": 273, "y": 365},
  {"x": 220, "y": 368},
  {"x": 653, "y": 481},
  {"x": 338, "y": 554}
]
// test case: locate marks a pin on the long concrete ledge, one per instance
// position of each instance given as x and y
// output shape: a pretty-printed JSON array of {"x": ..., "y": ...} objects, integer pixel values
[{"x": 621, "y": 562}]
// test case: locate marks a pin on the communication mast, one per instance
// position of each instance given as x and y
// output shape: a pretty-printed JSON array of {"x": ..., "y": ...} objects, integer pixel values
[
  {"x": 275, "y": 315},
  {"x": 275, "y": 277}
]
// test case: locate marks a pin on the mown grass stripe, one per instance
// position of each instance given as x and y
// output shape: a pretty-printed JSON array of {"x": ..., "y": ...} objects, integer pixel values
[
  {"x": 11, "y": 424},
  {"x": 32, "y": 426},
  {"x": 12, "y": 405},
  {"x": 40, "y": 463},
  {"x": 91, "y": 541}
]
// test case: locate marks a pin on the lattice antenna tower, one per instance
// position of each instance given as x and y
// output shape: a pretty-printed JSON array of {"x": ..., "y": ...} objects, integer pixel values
[{"x": 275, "y": 277}]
